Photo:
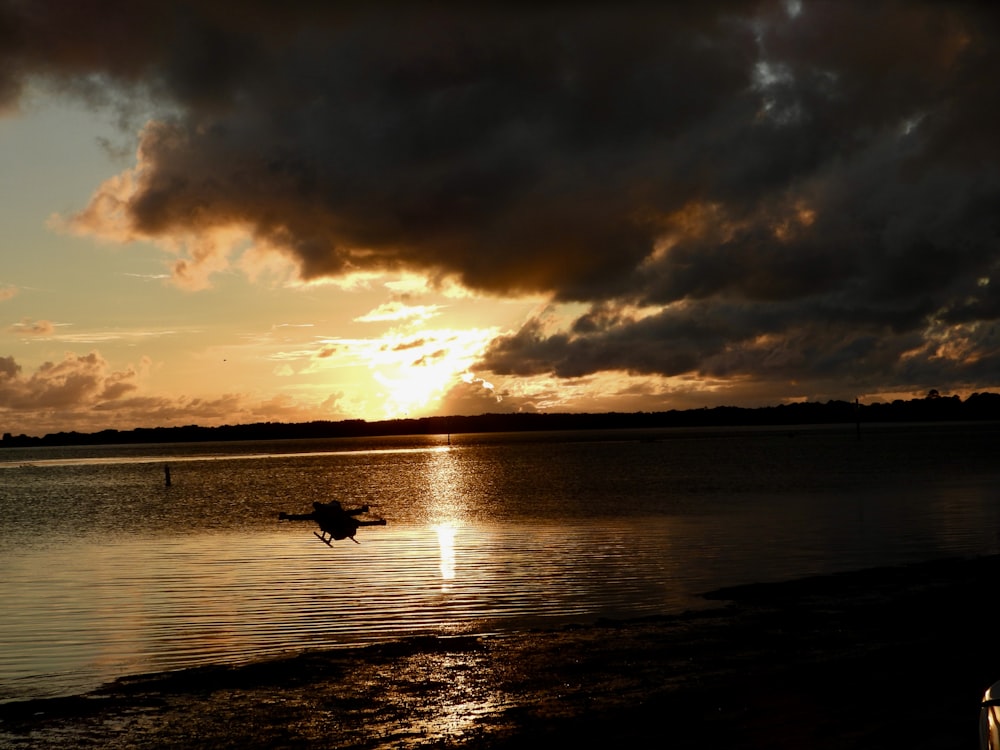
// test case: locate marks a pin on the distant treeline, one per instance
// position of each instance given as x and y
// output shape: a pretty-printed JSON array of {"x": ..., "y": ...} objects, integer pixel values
[{"x": 933, "y": 408}]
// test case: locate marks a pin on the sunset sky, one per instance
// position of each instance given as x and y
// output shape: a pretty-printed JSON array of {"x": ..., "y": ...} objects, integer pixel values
[{"x": 229, "y": 212}]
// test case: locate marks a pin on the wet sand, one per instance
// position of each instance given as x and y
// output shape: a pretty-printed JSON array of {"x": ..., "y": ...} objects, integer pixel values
[{"x": 886, "y": 658}]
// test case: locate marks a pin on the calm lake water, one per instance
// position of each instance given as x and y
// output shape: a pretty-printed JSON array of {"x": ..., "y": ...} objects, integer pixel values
[{"x": 107, "y": 572}]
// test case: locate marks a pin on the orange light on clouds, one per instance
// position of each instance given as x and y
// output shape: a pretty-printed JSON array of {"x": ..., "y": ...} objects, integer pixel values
[{"x": 178, "y": 254}]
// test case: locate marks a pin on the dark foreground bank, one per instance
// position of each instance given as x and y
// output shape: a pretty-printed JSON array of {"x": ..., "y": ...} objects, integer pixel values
[{"x": 887, "y": 658}]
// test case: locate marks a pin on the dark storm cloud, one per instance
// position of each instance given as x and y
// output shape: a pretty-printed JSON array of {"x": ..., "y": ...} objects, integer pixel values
[
  {"x": 800, "y": 190},
  {"x": 516, "y": 149},
  {"x": 780, "y": 343}
]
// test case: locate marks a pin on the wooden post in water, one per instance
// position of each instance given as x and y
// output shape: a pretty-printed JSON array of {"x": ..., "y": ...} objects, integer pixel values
[{"x": 166, "y": 475}]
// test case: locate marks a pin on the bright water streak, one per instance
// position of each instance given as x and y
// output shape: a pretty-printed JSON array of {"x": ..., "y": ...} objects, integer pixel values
[{"x": 106, "y": 572}]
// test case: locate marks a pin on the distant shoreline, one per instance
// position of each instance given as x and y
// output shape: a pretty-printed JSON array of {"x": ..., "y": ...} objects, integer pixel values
[{"x": 978, "y": 407}]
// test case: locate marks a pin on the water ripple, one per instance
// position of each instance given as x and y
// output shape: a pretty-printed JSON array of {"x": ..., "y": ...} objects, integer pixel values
[{"x": 106, "y": 572}]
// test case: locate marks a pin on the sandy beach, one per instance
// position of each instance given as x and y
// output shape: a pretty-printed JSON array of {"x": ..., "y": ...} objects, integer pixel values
[{"x": 885, "y": 658}]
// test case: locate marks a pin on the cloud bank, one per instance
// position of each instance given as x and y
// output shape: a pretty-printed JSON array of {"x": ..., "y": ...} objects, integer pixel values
[
  {"x": 84, "y": 390},
  {"x": 794, "y": 193},
  {"x": 74, "y": 382}
]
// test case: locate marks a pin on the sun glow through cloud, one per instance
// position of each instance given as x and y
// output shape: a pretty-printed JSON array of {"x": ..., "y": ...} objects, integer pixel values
[{"x": 417, "y": 370}]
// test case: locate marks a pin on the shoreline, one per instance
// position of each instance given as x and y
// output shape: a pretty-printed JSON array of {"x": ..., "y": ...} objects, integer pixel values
[{"x": 886, "y": 657}]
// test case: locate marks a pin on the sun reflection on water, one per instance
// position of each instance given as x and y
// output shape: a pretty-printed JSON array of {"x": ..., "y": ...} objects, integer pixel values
[
  {"x": 448, "y": 503},
  {"x": 446, "y": 542}
]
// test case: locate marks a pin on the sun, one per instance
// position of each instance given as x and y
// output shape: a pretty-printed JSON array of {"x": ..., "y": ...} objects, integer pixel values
[
  {"x": 415, "y": 372},
  {"x": 413, "y": 392}
]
